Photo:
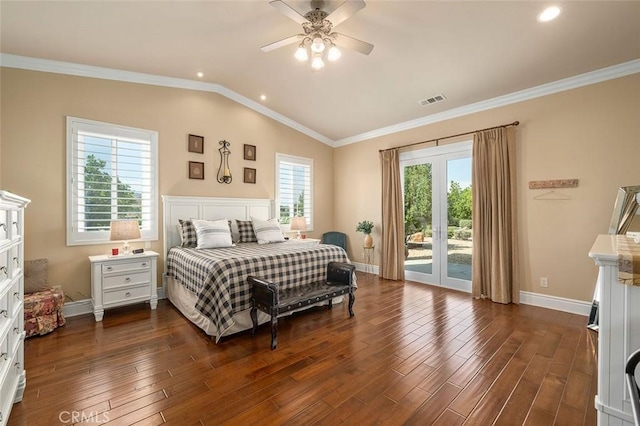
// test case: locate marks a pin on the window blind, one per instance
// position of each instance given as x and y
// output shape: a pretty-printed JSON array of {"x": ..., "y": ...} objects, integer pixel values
[
  {"x": 294, "y": 189},
  {"x": 112, "y": 175}
]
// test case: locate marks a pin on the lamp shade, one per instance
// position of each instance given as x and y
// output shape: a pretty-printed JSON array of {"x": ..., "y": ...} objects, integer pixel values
[
  {"x": 298, "y": 223},
  {"x": 124, "y": 230}
]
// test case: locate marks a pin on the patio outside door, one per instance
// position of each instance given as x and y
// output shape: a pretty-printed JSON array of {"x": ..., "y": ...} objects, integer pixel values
[{"x": 437, "y": 215}]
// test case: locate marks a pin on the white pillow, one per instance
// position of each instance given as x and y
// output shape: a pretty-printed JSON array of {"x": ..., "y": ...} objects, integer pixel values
[
  {"x": 212, "y": 233},
  {"x": 267, "y": 231}
]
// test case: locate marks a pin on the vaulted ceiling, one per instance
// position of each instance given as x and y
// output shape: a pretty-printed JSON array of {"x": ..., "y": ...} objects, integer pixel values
[{"x": 468, "y": 51}]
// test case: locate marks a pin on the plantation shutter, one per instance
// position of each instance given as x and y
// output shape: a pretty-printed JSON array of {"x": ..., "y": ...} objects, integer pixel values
[
  {"x": 294, "y": 189},
  {"x": 112, "y": 175}
]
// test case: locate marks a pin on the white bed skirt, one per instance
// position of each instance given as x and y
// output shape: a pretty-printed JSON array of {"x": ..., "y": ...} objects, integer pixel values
[{"x": 185, "y": 301}]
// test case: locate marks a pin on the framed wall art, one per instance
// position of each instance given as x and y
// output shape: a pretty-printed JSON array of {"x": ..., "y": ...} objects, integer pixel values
[
  {"x": 249, "y": 175},
  {"x": 196, "y": 144},
  {"x": 249, "y": 152},
  {"x": 196, "y": 170}
]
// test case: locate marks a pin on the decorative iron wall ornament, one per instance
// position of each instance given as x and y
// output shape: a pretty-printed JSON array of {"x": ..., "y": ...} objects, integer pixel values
[{"x": 224, "y": 172}]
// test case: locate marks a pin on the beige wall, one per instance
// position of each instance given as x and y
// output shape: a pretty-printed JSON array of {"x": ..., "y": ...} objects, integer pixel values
[
  {"x": 590, "y": 133},
  {"x": 33, "y": 110}
]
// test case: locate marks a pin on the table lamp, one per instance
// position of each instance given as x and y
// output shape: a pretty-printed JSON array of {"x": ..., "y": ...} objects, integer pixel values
[
  {"x": 125, "y": 230},
  {"x": 298, "y": 223}
]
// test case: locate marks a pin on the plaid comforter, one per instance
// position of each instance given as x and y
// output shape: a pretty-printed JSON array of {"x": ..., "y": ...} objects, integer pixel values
[{"x": 219, "y": 276}]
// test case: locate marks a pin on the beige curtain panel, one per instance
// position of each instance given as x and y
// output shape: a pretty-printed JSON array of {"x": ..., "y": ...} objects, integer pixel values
[
  {"x": 392, "y": 252},
  {"x": 495, "y": 245}
]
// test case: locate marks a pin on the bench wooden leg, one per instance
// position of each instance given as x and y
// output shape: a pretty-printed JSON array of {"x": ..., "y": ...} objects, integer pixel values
[
  {"x": 274, "y": 331},
  {"x": 352, "y": 299},
  {"x": 254, "y": 320}
]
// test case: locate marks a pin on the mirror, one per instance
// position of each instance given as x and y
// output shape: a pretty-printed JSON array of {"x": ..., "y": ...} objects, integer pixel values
[{"x": 625, "y": 211}]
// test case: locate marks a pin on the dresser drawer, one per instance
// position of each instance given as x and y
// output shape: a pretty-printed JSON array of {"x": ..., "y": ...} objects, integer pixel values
[
  {"x": 132, "y": 279},
  {"x": 5, "y": 315},
  {"x": 6, "y": 356},
  {"x": 126, "y": 294},
  {"x": 5, "y": 268},
  {"x": 16, "y": 335},
  {"x": 115, "y": 267},
  {"x": 15, "y": 297},
  {"x": 5, "y": 216},
  {"x": 14, "y": 261}
]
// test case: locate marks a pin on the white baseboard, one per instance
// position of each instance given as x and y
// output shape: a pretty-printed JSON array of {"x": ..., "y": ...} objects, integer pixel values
[
  {"x": 77, "y": 307},
  {"x": 571, "y": 306},
  {"x": 362, "y": 267},
  {"x": 84, "y": 306},
  {"x": 579, "y": 307}
]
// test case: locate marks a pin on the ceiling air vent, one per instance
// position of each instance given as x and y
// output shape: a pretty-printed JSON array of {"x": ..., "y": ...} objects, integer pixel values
[{"x": 432, "y": 100}]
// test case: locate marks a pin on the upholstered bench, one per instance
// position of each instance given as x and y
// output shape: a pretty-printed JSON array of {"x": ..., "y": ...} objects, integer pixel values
[
  {"x": 267, "y": 297},
  {"x": 43, "y": 311},
  {"x": 42, "y": 304}
]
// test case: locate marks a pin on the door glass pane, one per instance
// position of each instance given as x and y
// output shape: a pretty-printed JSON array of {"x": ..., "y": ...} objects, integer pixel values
[
  {"x": 418, "y": 218},
  {"x": 459, "y": 243}
]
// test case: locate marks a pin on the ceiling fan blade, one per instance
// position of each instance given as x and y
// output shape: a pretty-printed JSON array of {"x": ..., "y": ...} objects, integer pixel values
[
  {"x": 288, "y": 11},
  {"x": 353, "y": 43},
  {"x": 281, "y": 43},
  {"x": 344, "y": 11}
]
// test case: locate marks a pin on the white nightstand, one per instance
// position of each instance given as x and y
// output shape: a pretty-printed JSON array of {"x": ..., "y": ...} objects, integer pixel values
[
  {"x": 123, "y": 280},
  {"x": 308, "y": 240}
]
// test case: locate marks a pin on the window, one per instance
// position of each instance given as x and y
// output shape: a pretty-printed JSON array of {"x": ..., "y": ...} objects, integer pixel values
[
  {"x": 111, "y": 174},
  {"x": 294, "y": 186}
]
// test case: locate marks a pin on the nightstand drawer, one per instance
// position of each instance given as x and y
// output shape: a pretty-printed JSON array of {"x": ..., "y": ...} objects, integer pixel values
[
  {"x": 115, "y": 281},
  {"x": 115, "y": 267},
  {"x": 126, "y": 294}
]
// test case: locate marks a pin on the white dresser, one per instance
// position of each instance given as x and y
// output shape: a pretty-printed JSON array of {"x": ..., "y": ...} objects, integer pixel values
[
  {"x": 12, "y": 373},
  {"x": 619, "y": 334},
  {"x": 123, "y": 280}
]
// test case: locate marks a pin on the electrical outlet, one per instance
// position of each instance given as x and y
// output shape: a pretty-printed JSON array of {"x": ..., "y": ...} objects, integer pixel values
[
  {"x": 147, "y": 244},
  {"x": 544, "y": 282}
]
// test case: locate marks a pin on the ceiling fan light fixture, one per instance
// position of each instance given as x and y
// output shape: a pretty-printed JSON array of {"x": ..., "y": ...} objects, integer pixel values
[
  {"x": 317, "y": 63},
  {"x": 334, "y": 53},
  {"x": 318, "y": 45},
  {"x": 301, "y": 53}
]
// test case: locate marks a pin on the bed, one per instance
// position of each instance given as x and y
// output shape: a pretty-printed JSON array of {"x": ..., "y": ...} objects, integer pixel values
[{"x": 209, "y": 286}]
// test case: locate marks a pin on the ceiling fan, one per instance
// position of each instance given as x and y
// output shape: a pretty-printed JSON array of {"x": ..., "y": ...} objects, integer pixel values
[{"x": 318, "y": 35}]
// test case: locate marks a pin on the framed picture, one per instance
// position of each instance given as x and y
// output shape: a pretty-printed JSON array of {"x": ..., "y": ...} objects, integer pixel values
[
  {"x": 249, "y": 152},
  {"x": 196, "y": 144},
  {"x": 196, "y": 170},
  {"x": 249, "y": 175}
]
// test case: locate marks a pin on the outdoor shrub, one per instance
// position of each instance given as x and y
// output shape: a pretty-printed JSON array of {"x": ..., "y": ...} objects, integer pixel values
[
  {"x": 462, "y": 234},
  {"x": 465, "y": 223}
]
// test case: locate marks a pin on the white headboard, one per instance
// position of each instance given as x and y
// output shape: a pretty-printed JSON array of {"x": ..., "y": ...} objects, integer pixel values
[{"x": 210, "y": 208}]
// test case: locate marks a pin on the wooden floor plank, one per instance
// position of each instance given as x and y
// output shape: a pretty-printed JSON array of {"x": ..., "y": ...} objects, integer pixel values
[{"x": 430, "y": 356}]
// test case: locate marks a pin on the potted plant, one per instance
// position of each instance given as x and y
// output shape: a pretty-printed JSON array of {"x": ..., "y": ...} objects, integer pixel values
[{"x": 365, "y": 227}]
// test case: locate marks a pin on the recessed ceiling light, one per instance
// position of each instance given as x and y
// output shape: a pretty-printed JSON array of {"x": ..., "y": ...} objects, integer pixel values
[
  {"x": 200, "y": 74},
  {"x": 549, "y": 14},
  {"x": 263, "y": 97}
]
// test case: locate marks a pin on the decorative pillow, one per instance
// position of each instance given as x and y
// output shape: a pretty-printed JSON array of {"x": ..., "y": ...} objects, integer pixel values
[
  {"x": 35, "y": 275},
  {"x": 245, "y": 229},
  {"x": 213, "y": 233},
  {"x": 188, "y": 234},
  {"x": 267, "y": 231}
]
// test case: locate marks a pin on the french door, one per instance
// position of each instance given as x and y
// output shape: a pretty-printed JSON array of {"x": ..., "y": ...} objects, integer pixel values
[{"x": 437, "y": 215}]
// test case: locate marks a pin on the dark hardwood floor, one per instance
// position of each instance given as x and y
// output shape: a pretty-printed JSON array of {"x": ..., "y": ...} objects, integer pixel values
[{"x": 413, "y": 354}]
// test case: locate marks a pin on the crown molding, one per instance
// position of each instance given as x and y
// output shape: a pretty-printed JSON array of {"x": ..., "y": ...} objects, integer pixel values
[
  {"x": 586, "y": 79},
  {"x": 46, "y": 65}
]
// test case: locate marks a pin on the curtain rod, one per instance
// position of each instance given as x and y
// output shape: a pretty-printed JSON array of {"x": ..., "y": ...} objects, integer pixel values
[{"x": 515, "y": 123}]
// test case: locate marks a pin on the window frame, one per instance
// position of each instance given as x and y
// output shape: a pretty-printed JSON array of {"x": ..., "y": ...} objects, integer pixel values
[
  {"x": 77, "y": 125},
  {"x": 301, "y": 161}
]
